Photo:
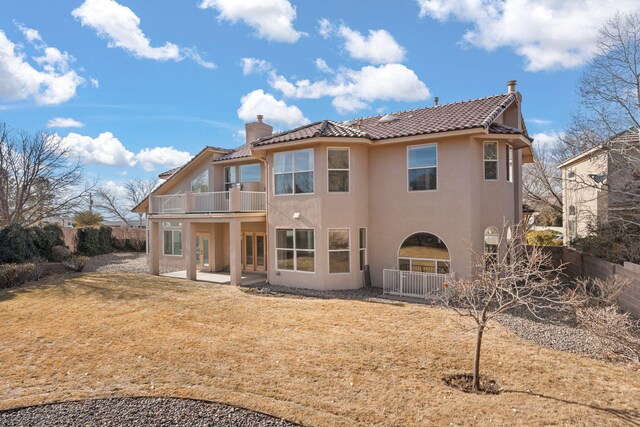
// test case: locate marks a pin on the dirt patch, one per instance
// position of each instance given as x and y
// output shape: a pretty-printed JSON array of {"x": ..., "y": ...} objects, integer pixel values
[{"x": 464, "y": 382}]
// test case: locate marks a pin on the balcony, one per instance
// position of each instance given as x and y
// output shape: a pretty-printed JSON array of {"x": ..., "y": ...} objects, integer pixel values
[{"x": 233, "y": 200}]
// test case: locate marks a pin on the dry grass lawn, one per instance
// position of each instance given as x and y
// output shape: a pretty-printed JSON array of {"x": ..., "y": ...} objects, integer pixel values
[{"x": 313, "y": 361}]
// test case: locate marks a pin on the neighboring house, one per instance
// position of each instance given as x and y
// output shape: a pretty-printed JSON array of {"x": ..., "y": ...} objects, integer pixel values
[
  {"x": 64, "y": 222},
  {"x": 594, "y": 185},
  {"x": 133, "y": 223},
  {"x": 312, "y": 206}
]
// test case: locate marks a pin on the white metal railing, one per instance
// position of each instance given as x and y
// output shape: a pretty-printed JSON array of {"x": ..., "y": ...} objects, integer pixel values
[
  {"x": 218, "y": 201},
  {"x": 414, "y": 284},
  {"x": 210, "y": 202},
  {"x": 253, "y": 201}
]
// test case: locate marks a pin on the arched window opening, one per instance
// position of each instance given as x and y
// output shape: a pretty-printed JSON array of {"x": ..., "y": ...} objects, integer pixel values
[
  {"x": 424, "y": 253},
  {"x": 572, "y": 210},
  {"x": 491, "y": 238}
]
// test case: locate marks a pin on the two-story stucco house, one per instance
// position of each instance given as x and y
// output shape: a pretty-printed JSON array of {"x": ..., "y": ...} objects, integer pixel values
[
  {"x": 312, "y": 206},
  {"x": 598, "y": 184}
]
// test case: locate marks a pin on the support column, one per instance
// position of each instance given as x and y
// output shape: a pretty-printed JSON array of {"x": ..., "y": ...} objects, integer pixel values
[
  {"x": 189, "y": 234},
  {"x": 235, "y": 252},
  {"x": 154, "y": 247}
]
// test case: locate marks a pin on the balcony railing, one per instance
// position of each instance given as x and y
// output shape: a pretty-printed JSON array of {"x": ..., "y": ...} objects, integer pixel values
[{"x": 233, "y": 200}]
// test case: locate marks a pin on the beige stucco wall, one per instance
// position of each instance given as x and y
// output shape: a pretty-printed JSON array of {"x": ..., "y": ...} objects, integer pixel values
[{"x": 582, "y": 192}]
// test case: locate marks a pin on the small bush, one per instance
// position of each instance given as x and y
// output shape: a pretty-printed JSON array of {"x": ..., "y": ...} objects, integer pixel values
[
  {"x": 543, "y": 238},
  {"x": 16, "y": 274},
  {"x": 94, "y": 241},
  {"x": 77, "y": 263},
  {"x": 60, "y": 253},
  {"x": 17, "y": 245}
]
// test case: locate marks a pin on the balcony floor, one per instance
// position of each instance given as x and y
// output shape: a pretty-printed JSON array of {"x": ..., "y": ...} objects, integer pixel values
[{"x": 220, "y": 277}]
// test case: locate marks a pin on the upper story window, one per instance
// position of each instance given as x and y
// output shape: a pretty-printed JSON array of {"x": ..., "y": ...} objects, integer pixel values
[
  {"x": 422, "y": 167},
  {"x": 201, "y": 183},
  {"x": 293, "y": 173},
  {"x": 509, "y": 151},
  {"x": 491, "y": 161},
  {"x": 338, "y": 170},
  {"x": 250, "y": 173},
  {"x": 229, "y": 177}
]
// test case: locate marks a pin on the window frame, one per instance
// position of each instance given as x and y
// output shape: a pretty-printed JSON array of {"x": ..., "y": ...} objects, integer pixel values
[
  {"x": 249, "y": 164},
  {"x": 228, "y": 184},
  {"x": 206, "y": 171},
  {"x": 329, "y": 251},
  {"x": 172, "y": 229},
  {"x": 435, "y": 260},
  {"x": 293, "y": 173},
  {"x": 509, "y": 163},
  {"x": 348, "y": 150},
  {"x": 362, "y": 248},
  {"x": 409, "y": 147},
  {"x": 295, "y": 250},
  {"x": 496, "y": 161}
]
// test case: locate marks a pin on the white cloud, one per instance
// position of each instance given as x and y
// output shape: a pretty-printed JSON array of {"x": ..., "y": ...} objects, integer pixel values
[
  {"x": 107, "y": 150},
  {"x": 322, "y": 66},
  {"x": 546, "y": 140},
  {"x": 53, "y": 83},
  {"x": 121, "y": 26},
  {"x": 550, "y": 34},
  {"x": 325, "y": 28},
  {"x": 255, "y": 66},
  {"x": 353, "y": 90},
  {"x": 95, "y": 83},
  {"x": 30, "y": 34},
  {"x": 274, "y": 110},
  {"x": 64, "y": 122},
  {"x": 540, "y": 121},
  {"x": 168, "y": 157},
  {"x": 272, "y": 19},
  {"x": 378, "y": 48}
]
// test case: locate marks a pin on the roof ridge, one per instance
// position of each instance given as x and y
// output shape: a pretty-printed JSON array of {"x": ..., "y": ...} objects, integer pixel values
[
  {"x": 428, "y": 108},
  {"x": 264, "y": 138},
  {"x": 499, "y": 109}
]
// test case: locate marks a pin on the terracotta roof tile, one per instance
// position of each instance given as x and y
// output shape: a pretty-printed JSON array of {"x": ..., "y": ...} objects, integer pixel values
[
  {"x": 327, "y": 128},
  {"x": 238, "y": 153}
]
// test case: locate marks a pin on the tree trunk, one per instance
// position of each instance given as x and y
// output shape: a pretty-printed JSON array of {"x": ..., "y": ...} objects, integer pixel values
[{"x": 476, "y": 359}]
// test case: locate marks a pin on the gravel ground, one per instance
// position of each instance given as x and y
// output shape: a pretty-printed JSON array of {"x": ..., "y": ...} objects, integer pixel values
[
  {"x": 134, "y": 412},
  {"x": 122, "y": 262}
]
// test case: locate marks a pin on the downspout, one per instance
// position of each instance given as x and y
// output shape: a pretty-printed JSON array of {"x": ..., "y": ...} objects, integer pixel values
[{"x": 266, "y": 211}]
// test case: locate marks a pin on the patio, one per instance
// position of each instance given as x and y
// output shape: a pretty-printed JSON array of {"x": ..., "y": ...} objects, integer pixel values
[{"x": 221, "y": 278}]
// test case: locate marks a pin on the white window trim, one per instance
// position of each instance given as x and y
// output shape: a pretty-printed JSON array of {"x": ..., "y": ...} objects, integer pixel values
[
  {"x": 510, "y": 163},
  {"x": 436, "y": 261},
  {"x": 225, "y": 176},
  {"x": 348, "y": 149},
  {"x": 240, "y": 179},
  {"x": 338, "y": 250},
  {"x": 293, "y": 193},
  {"x": 360, "y": 249},
  {"x": 206, "y": 171},
  {"x": 422, "y": 167},
  {"x": 497, "y": 161},
  {"x": 294, "y": 249},
  {"x": 172, "y": 230}
]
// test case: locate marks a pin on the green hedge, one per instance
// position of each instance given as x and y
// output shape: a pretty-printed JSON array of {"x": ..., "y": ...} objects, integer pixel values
[
  {"x": 21, "y": 244},
  {"x": 92, "y": 241}
]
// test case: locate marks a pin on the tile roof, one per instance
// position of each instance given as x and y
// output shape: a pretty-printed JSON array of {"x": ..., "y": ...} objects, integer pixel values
[
  {"x": 167, "y": 174},
  {"x": 475, "y": 113},
  {"x": 326, "y": 128},
  {"x": 237, "y": 153}
]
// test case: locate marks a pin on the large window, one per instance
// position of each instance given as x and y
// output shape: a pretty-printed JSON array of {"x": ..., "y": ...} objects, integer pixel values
[
  {"x": 229, "y": 177},
  {"x": 295, "y": 249},
  {"x": 339, "y": 250},
  {"x": 294, "y": 172},
  {"x": 363, "y": 248},
  {"x": 201, "y": 183},
  {"x": 172, "y": 236},
  {"x": 491, "y": 161},
  {"x": 509, "y": 163},
  {"x": 422, "y": 164},
  {"x": 338, "y": 167},
  {"x": 250, "y": 173},
  {"x": 424, "y": 253}
]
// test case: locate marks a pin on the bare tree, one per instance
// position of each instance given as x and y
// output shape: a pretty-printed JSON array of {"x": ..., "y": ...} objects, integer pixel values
[
  {"x": 37, "y": 180},
  {"x": 118, "y": 202},
  {"x": 542, "y": 184},
  {"x": 609, "y": 115},
  {"x": 516, "y": 276}
]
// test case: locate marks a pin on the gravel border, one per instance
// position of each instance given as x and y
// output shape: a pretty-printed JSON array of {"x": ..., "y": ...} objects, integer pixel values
[{"x": 138, "y": 411}]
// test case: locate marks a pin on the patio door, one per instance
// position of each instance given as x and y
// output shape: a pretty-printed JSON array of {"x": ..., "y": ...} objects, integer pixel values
[
  {"x": 254, "y": 246},
  {"x": 202, "y": 251}
]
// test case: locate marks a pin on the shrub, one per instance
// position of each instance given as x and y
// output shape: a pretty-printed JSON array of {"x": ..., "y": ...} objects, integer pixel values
[
  {"x": 17, "y": 245},
  {"x": 94, "y": 241},
  {"x": 60, "y": 253},
  {"x": 543, "y": 238},
  {"x": 87, "y": 219},
  {"x": 77, "y": 262},
  {"x": 16, "y": 274},
  {"x": 45, "y": 238}
]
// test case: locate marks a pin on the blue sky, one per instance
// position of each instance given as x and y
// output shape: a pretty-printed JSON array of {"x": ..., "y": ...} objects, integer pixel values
[{"x": 149, "y": 83}]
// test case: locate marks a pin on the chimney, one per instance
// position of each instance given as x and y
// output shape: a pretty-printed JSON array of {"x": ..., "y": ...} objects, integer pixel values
[
  {"x": 257, "y": 130},
  {"x": 435, "y": 100},
  {"x": 511, "y": 86}
]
